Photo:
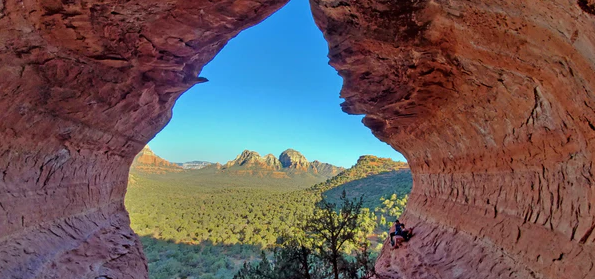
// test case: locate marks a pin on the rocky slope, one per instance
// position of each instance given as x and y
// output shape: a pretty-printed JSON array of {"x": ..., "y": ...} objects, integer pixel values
[
  {"x": 272, "y": 161},
  {"x": 491, "y": 102},
  {"x": 147, "y": 161},
  {"x": 290, "y": 162}
]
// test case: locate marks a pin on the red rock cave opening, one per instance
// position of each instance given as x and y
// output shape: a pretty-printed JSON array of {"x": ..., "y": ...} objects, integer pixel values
[{"x": 490, "y": 101}]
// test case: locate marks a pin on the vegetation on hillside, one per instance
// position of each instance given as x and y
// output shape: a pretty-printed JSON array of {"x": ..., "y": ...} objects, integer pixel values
[
  {"x": 195, "y": 223},
  {"x": 374, "y": 187},
  {"x": 366, "y": 166},
  {"x": 323, "y": 250}
]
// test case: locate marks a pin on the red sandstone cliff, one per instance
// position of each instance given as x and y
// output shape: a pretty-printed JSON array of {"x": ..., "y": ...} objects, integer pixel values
[
  {"x": 85, "y": 85},
  {"x": 147, "y": 161},
  {"x": 492, "y": 104},
  {"x": 490, "y": 101}
]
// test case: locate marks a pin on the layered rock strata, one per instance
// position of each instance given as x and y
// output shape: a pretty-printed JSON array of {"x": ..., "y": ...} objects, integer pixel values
[
  {"x": 147, "y": 161},
  {"x": 290, "y": 162},
  {"x": 492, "y": 104},
  {"x": 490, "y": 101},
  {"x": 84, "y": 86}
]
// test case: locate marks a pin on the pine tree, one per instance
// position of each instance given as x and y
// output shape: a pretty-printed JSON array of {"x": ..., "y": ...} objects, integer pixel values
[{"x": 331, "y": 230}]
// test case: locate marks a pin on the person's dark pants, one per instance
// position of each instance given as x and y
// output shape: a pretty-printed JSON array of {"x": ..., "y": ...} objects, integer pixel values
[{"x": 405, "y": 235}]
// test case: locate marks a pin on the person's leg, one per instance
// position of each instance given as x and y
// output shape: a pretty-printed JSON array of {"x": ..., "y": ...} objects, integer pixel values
[
  {"x": 398, "y": 240},
  {"x": 406, "y": 233}
]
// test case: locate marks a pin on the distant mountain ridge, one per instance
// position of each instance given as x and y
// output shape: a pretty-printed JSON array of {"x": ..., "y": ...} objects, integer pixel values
[
  {"x": 290, "y": 162},
  {"x": 194, "y": 165},
  {"x": 147, "y": 161}
]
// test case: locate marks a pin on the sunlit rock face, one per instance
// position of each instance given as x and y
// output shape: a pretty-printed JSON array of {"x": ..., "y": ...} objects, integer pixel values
[
  {"x": 148, "y": 162},
  {"x": 289, "y": 163},
  {"x": 490, "y": 101},
  {"x": 492, "y": 104},
  {"x": 293, "y": 159},
  {"x": 85, "y": 85}
]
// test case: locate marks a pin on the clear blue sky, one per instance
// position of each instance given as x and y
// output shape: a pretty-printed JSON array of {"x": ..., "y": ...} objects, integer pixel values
[{"x": 269, "y": 89}]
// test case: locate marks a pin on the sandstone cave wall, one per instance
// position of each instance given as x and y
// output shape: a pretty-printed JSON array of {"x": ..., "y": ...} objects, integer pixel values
[
  {"x": 492, "y": 104},
  {"x": 84, "y": 86},
  {"x": 490, "y": 101}
]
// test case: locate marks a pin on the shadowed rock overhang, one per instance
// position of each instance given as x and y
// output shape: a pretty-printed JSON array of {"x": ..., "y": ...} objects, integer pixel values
[{"x": 491, "y": 102}]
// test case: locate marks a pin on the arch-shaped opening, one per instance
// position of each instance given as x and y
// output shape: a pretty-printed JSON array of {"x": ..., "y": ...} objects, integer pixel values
[
  {"x": 269, "y": 89},
  {"x": 491, "y": 101}
]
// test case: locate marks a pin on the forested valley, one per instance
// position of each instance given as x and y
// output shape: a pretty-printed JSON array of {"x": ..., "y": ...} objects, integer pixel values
[{"x": 197, "y": 224}]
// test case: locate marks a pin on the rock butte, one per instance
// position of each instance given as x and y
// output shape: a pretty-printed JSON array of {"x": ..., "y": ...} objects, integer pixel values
[
  {"x": 490, "y": 101},
  {"x": 148, "y": 162}
]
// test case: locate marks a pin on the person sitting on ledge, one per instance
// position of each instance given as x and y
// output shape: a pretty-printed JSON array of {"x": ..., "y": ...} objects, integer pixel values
[
  {"x": 395, "y": 234},
  {"x": 405, "y": 233}
]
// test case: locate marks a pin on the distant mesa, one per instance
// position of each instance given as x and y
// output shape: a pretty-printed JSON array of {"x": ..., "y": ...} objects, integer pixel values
[
  {"x": 194, "y": 165},
  {"x": 146, "y": 161}
]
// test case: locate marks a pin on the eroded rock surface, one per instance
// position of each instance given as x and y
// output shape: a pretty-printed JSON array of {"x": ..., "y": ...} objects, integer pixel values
[
  {"x": 492, "y": 104},
  {"x": 84, "y": 85},
  {"x": 490, "y": 101}
]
